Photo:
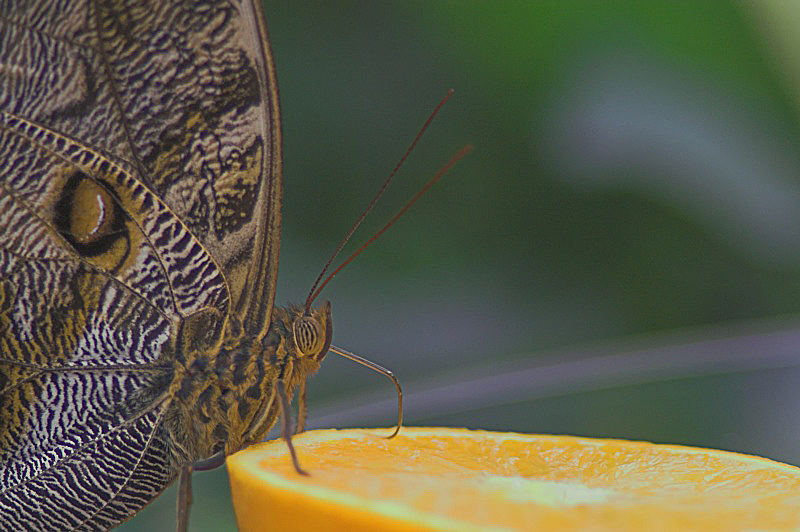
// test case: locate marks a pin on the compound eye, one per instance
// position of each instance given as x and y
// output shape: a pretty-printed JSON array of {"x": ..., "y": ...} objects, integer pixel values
[{"x": 307, "y": 335}]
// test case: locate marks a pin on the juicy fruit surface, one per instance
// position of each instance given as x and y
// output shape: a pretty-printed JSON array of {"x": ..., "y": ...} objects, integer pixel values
[{"x": 442, "y": 478}]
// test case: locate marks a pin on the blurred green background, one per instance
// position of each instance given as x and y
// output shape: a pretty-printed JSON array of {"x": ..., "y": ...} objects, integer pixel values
[{"x": 619, "y": 256}]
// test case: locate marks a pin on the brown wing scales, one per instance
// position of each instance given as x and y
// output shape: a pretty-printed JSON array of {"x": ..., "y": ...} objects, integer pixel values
[{"x": 139, "y": 187}]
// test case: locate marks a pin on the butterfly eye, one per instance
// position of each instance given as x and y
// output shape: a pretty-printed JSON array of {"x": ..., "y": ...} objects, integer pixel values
[{"x": 307, "y": 335}]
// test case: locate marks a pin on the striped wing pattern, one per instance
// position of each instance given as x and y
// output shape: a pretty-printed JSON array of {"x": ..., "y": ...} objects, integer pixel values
[{"x": 170, "y": 110}]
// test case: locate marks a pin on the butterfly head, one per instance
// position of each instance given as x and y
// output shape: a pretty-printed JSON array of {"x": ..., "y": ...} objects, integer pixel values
[{"x": 312, "y": 331}]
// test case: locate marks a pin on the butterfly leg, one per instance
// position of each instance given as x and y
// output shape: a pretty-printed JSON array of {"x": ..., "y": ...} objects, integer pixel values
[
  {"x": 184, "y": 498},
  {"x": 286, "y": 430},
  {"x": 214, "y": 462},
  {"x": 302, "y": 409}
]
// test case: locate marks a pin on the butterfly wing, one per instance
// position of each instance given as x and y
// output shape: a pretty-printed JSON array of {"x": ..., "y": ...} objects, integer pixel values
[
  {"x": 166, "y": 113},
  {"x": 199, "y": 102}
]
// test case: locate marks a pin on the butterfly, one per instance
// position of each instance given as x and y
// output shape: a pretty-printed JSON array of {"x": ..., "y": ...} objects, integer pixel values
[{"x": 140, "y": 214}]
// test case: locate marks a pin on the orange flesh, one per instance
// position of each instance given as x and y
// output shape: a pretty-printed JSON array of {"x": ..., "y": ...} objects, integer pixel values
[{"x": 453, "y": 479}]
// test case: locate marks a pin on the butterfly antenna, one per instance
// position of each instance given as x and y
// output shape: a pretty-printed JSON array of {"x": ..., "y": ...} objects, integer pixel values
[
  {"x": 460, "y": 154},
  {"x": 312, "y": 293}
]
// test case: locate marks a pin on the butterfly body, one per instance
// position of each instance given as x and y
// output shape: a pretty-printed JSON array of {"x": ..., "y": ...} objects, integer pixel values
[
  {"x": 224, "y": 400},
  {"x": 140, "y": 197}
]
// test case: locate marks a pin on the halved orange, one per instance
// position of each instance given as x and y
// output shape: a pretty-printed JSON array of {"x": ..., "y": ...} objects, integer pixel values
[{"x": 456, "y": 479}]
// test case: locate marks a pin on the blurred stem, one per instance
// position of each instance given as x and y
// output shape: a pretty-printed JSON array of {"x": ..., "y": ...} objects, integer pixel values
[
  {"x": 778, "y": 21},
  {"x": 721, "y": 349}
]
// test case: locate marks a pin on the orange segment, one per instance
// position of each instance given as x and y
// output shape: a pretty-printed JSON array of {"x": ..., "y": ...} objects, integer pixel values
[{"x": 456, "y": 479}]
